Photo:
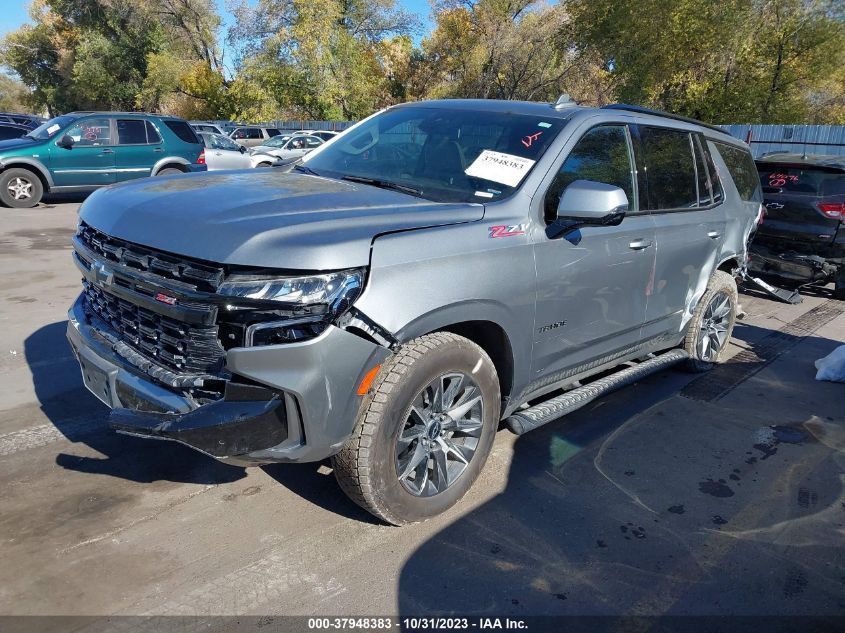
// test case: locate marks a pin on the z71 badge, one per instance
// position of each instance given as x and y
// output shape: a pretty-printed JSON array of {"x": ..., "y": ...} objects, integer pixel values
[{"x": 503, "y": 230}]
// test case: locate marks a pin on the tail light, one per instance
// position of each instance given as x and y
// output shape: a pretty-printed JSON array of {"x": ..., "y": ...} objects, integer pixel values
[
  {"x": 201, "y": 158},
  {"x": 832, "y": 210}
]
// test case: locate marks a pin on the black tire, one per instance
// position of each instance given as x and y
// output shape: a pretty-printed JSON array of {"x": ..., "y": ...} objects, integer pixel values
[
  {"x": 170, "y": 171},
  {"x": 721, "y": 283},
  {"x": 15, "y": 182},
  {"x": 839, "y": 284},
  {"x": 264, "y": 165},
  {"x": 366, "y": 467}
]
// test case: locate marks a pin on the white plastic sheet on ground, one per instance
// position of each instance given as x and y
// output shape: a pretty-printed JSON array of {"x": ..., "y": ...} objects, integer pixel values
[{"x": 832, "y": 366}]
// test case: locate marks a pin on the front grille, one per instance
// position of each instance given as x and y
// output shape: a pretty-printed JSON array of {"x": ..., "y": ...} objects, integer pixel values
[
  {"x": 178, "y": 346},
  {"x": 199, "y": 275}
]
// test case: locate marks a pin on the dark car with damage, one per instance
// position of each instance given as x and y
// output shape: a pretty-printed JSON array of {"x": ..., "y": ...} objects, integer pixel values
[{"x": 802, "y": 236}]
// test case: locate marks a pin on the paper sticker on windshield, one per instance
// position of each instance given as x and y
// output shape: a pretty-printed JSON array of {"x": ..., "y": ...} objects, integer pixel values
[
  {"x": 53, "y": 128},
  {"x": 503, "y": 168}
]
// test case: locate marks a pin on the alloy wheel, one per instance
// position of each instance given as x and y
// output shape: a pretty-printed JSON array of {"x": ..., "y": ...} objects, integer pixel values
[
  {"x": 440, "y": 435},
  {"x": 714, "y": 327},
  {"x": 20, "y": 188}
]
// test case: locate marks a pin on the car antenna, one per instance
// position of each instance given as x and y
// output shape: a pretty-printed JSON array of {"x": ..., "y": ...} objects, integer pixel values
[{"x": 564, "y": 101}]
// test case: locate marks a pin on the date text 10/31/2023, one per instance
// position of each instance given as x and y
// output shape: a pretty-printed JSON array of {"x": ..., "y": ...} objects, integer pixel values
[{"x": 416, "y": 624}]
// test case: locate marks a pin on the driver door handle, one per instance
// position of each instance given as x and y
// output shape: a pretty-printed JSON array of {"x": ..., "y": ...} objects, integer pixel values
[
  {"x": 158, "y": 149},
  {"x": 639, "y": 244},
  {"x": 107, "y": 151},
  {"x": 714, "y": 235}
]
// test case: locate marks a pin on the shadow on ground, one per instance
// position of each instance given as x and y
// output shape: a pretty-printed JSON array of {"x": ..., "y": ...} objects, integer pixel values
[
  {"x": 51, "y": 199},
  {"x": 82, "y": 419},
  {"x": 651, "y": 503},
  {"x": 316, "y": 483}
]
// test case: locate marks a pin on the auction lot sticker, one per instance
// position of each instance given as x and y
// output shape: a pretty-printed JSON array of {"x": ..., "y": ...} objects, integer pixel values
[{"x": 506, "y": 169}]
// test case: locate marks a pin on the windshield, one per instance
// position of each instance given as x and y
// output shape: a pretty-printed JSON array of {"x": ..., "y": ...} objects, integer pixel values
[
  {"x": 277, "y": 141},
  {"x": 447, "y": 155},
  {"x": 218, "y": 141},
  {"x": 51, "y": 127}
]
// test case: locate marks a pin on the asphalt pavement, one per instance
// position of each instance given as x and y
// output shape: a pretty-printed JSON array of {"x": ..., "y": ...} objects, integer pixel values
[{"x": 685, "y": 494}]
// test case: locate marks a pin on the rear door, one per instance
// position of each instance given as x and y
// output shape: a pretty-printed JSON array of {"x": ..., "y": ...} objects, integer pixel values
[
  {"x": 675, "y": 187},
  {"x": 803, "y": 206},
  {"x": 139, "y": 147}
]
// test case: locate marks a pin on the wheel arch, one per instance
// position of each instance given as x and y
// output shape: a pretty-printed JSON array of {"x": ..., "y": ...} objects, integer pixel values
[
  {"x": 729, "y": 265},
  {"x": 32, "y": 165},
  {"x": 492, "y": 338},
  {"x": 174, "y": 162}
]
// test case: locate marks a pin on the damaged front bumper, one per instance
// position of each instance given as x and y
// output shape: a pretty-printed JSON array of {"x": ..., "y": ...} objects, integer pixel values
[{"x": 294, "y": 402}]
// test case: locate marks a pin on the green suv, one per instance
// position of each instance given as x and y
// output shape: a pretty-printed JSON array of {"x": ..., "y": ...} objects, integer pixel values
[{"x": 81, "y": 151}]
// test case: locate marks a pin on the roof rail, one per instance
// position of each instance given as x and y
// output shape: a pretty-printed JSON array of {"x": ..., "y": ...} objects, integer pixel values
[{"x": 668, "y": 115}]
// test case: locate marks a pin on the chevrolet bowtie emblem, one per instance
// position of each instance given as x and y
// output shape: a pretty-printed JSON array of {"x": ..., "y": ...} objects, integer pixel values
[{"x": 103, "y": 273}]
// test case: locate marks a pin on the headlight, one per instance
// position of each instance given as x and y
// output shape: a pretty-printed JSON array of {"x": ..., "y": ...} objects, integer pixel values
[
  {"x": 328, "y": 296},
  {"x": 331, "y": 289}
]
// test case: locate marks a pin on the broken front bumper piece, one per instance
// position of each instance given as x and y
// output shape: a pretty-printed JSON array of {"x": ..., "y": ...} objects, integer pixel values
[
  {"x": 294, "y": 402},
  {"x": 249, "y": 418}
]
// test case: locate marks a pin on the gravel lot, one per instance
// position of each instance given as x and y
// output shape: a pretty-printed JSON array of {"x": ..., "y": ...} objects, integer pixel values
[{"x": 680, "y": 495}]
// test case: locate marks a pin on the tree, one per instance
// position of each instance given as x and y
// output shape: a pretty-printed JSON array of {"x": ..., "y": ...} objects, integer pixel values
[
  {"x": 14, "y": 97},
  {"x": 319, "y": 58},
  {"x": 118, "y": 54},
  {"x": 504, "y": 49},
  {"x": 732, "y": 60}
]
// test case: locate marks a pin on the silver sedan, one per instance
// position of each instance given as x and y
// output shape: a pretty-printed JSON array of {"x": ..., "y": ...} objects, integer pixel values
[{"x": 222, "y": 152}]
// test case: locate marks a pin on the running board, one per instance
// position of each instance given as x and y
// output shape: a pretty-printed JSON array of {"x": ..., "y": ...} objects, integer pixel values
[
  {"x": 529, "y": 419},
  {"x": 782, "y": 294}
]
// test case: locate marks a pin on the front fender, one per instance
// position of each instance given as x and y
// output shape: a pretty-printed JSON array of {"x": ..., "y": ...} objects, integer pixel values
[{"x": 430, "y": 279}]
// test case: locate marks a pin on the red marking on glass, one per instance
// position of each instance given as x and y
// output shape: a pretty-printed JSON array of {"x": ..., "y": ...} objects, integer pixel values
[{"x": 529, "y": 140}]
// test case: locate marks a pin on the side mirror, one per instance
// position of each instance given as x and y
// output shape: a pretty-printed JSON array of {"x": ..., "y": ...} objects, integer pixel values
[
  {"x": 242, "y": 149},
  {"x": 66, "y": 142},
  {"x": 589, "y": 203}
]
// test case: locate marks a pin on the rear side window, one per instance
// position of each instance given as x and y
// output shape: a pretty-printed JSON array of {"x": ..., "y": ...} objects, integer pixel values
[
  {"x": 601, "y": 155},
  {"x": 183, "y": 131},
  {"x": 153, "y": 136},
  {"x": 810, "y": 181},
  {"x": 705, "y": 191},
  {"x": 272, "y": 132},
  {"x": 742, "y": 169},
  {"x": 669, "y": 164},
  {"x": 131, "y": 132}
]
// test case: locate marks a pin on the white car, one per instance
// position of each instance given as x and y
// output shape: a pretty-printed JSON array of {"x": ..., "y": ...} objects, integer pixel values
[
  {"x": 221, "y": 152},
  {"x": 326, "y": 135},
  {"x": 207, "y": 127},
  {"x": 286, "y": 146}
]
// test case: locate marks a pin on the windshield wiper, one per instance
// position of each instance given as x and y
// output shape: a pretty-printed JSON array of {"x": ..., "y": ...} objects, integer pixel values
[
  {"x": 305, "y": 170},
  {"x": 384, "y": 184}
]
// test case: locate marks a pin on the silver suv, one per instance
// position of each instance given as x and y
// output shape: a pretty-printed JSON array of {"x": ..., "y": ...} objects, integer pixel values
[{"x": 411, "y": 285}]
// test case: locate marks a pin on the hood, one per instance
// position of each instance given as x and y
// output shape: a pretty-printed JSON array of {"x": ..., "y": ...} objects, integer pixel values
[
  {"x": 17, "y": 143},
  {"x": 263, "y": 217}
]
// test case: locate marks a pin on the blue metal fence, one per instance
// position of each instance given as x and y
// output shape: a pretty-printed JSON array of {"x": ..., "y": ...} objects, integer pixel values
[{"x": 809, "y": 139}]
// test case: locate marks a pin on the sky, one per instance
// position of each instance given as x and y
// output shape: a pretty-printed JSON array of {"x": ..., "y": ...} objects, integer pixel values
[{"x": 14, "y": 13}]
